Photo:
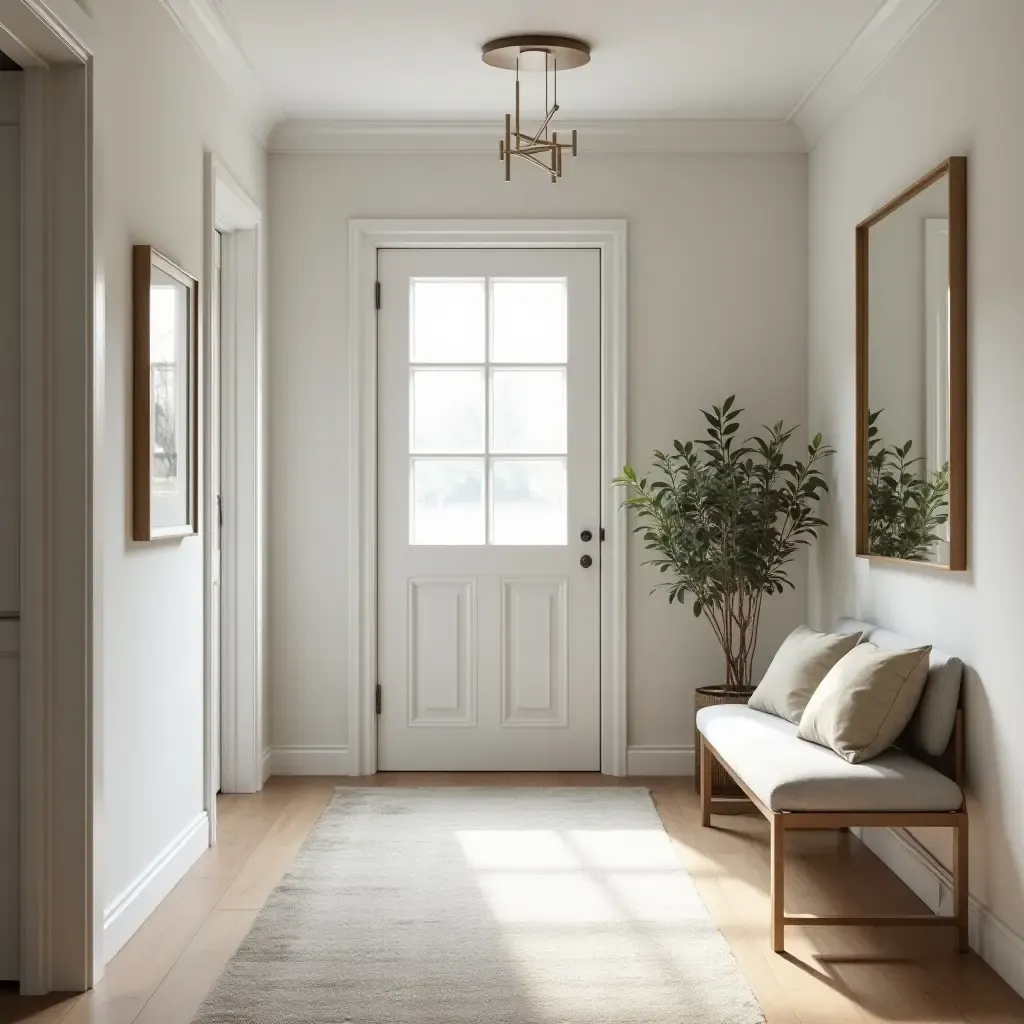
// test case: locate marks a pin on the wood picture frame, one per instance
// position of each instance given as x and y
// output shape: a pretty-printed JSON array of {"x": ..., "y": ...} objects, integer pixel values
[
  {"x": 954, "y": 170},
  {"x": 165, "y": 379}
]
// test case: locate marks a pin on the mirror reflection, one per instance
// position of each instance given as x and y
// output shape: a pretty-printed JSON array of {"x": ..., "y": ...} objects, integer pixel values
[{"x": 908, "y": 334}]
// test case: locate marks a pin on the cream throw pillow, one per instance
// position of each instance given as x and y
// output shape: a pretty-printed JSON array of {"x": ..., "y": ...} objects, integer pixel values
[
  {"x": 800, "y": 664},
  {"x": 865, "y": 702}
]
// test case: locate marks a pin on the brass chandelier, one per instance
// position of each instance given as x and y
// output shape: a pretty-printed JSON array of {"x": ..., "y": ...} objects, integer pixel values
[{"x": 549, "y": 54}]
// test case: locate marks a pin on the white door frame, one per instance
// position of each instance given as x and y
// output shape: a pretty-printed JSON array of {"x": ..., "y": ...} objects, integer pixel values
[
  {"x": 234, "y": 715},
  {"x": 61, "y": 501},
  {"x": 365, "y": 238}
]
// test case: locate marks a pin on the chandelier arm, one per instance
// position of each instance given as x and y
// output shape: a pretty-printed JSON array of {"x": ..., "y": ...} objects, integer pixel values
[
  {"x": 533, "y": 160},
  {"x": 543, "y": 128},
  {"x": 508, "y": 148},
  {"x": 517, "y": 102}
]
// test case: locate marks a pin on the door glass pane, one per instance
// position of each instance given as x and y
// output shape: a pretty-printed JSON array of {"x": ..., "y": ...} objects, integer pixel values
[
  {"x": 447, "y": 321},
  {"x": 447, "y": 412},
  {"x": 529, "y": 321},
  {"x": 447, "y": 502},
  {"x": 528, "y": 412},
  {"x": 528, "y": 501}
]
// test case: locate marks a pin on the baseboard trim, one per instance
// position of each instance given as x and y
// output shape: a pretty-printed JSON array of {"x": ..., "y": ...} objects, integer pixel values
[
  {"x": 268, "y": 764},
  {"x": 310, "y": 761},
  {"x": 990, "y": 937},
  {"x": 655, "y": 760},
  {"x": 126, "y": 914}
]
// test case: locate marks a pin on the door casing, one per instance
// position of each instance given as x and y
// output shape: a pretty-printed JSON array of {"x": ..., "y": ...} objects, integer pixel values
[
  {"x": 62, "y": 402},
  {"x": 234, "y": 709},
  {"x": 365, "y": 238}
]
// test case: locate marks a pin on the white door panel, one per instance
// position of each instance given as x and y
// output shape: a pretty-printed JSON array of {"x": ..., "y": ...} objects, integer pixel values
[
  {"x": 10, "y": 541},
  {"x": 489, "y": 472},
  {"x": 214, "y": 495},
  {"x": 10, "y": 363}
]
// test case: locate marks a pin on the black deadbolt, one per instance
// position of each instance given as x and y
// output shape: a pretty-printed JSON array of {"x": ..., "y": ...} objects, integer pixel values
[
  {"x": 586, "y": 561},
  {"x": 585, "y": 536}
]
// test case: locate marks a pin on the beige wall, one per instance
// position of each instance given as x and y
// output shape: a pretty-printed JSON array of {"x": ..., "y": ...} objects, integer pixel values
[
  {"x": 717, "y": 304},
  {"x": 956, "y": 87}
]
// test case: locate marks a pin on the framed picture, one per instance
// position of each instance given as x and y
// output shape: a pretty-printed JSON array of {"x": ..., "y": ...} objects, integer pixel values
[{"x": 165, "y": 450}]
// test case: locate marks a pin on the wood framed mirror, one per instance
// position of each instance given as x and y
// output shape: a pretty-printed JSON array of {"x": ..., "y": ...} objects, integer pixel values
[{"x": 912, "y": 374}]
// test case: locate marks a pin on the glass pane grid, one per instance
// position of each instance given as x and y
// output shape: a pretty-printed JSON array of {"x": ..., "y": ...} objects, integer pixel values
[{"x": 488, "y": 412}]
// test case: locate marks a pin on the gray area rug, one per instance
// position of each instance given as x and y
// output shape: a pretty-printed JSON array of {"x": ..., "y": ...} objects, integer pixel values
[{"x": 484, "y": 906}]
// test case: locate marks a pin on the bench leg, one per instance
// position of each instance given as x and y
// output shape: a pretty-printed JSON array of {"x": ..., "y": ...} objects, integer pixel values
[
  {"x": 778, "y": 858},
  {"x": 961, "y": 891},
  {"x": 705, "y": 783}
]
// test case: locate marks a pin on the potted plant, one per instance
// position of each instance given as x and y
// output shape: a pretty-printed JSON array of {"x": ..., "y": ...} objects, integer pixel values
[{"x": 725, "y": 519}]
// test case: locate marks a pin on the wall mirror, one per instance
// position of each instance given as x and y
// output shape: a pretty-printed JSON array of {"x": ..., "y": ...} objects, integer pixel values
[{"x": 912, "y": 374}]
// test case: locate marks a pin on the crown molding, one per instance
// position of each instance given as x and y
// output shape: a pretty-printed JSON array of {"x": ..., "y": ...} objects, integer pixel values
[
  {"x": 642, "y": 136},
  {"x": 36, "y": 33},
  {"x": 892, "y": 23},
  {"x": 204, "y": 26}
]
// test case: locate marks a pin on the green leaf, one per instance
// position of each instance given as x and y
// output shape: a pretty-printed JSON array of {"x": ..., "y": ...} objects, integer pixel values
[{"x": 697, "y": 609}]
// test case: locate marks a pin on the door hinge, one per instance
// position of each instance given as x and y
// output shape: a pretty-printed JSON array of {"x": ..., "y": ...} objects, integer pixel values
[
  {"x": 602, "y": 533},
  {"x": 377, "y": 699},
  {"x": 376, "y": 294},
  {"x": 220, "y": 512}
]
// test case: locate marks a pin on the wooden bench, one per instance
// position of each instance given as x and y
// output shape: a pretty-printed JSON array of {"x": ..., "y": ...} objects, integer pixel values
[{"x": 799, "y": 785}]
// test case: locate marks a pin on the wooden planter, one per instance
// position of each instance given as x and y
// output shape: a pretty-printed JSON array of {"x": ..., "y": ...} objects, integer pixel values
[{"x": 706, "y": 697}]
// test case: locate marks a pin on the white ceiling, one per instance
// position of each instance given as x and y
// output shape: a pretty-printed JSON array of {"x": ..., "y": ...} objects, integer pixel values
[{"x": 417, "y": 60}]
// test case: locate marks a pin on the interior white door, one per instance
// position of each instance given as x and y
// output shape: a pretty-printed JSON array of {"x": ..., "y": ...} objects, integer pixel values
[
  {"x": 215, "y": 560},
  {"x": 489, "y": 498},
  {"x": 10, "y": 542}
]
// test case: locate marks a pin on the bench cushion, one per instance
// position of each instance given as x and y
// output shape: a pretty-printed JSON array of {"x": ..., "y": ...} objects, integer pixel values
[
  {"x": 932, "y": 725},
  {"x": 789, "y": 774}
]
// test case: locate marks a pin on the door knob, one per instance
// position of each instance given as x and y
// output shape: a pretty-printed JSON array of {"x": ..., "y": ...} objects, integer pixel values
[
  {"x": 586, "y": 561},
  {"x": 586, "y": 535}
]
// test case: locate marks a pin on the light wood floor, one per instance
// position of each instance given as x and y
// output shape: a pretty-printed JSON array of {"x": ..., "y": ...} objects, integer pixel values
[{"x": 828, "y": 976}]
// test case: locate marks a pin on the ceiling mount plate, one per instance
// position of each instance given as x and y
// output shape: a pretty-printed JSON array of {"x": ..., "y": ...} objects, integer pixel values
[{"x": 530, "y": 51}]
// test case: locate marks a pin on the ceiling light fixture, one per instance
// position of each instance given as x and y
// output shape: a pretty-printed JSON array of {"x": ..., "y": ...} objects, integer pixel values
[{"x": 549, "y": 54}]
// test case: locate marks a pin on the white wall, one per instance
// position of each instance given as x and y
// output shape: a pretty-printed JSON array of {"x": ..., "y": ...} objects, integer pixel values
[
  {"x": 158, "y": 106},
  {"x": 956, "y": 86},
  {"x": 717, "y": 304}
]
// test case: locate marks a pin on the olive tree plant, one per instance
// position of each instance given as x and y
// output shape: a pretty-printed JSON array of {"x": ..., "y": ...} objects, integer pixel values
[{"x": 725, "y": 519}]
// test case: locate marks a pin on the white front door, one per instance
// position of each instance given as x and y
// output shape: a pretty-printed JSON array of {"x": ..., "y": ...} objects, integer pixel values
[{"x": 489, "y": 498}]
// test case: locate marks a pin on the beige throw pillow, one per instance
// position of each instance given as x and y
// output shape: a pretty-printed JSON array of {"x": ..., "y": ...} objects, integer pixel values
[
  {"x": 865, "y": 702},
  {"x": 800, "y": 664}
]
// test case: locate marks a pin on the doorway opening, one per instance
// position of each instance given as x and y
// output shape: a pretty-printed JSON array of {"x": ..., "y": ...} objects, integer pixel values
[{"x": 236, "y": 728}]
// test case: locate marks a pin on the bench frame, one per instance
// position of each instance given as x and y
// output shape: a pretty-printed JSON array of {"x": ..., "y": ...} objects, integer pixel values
[{"x": 782, "y": 822}]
